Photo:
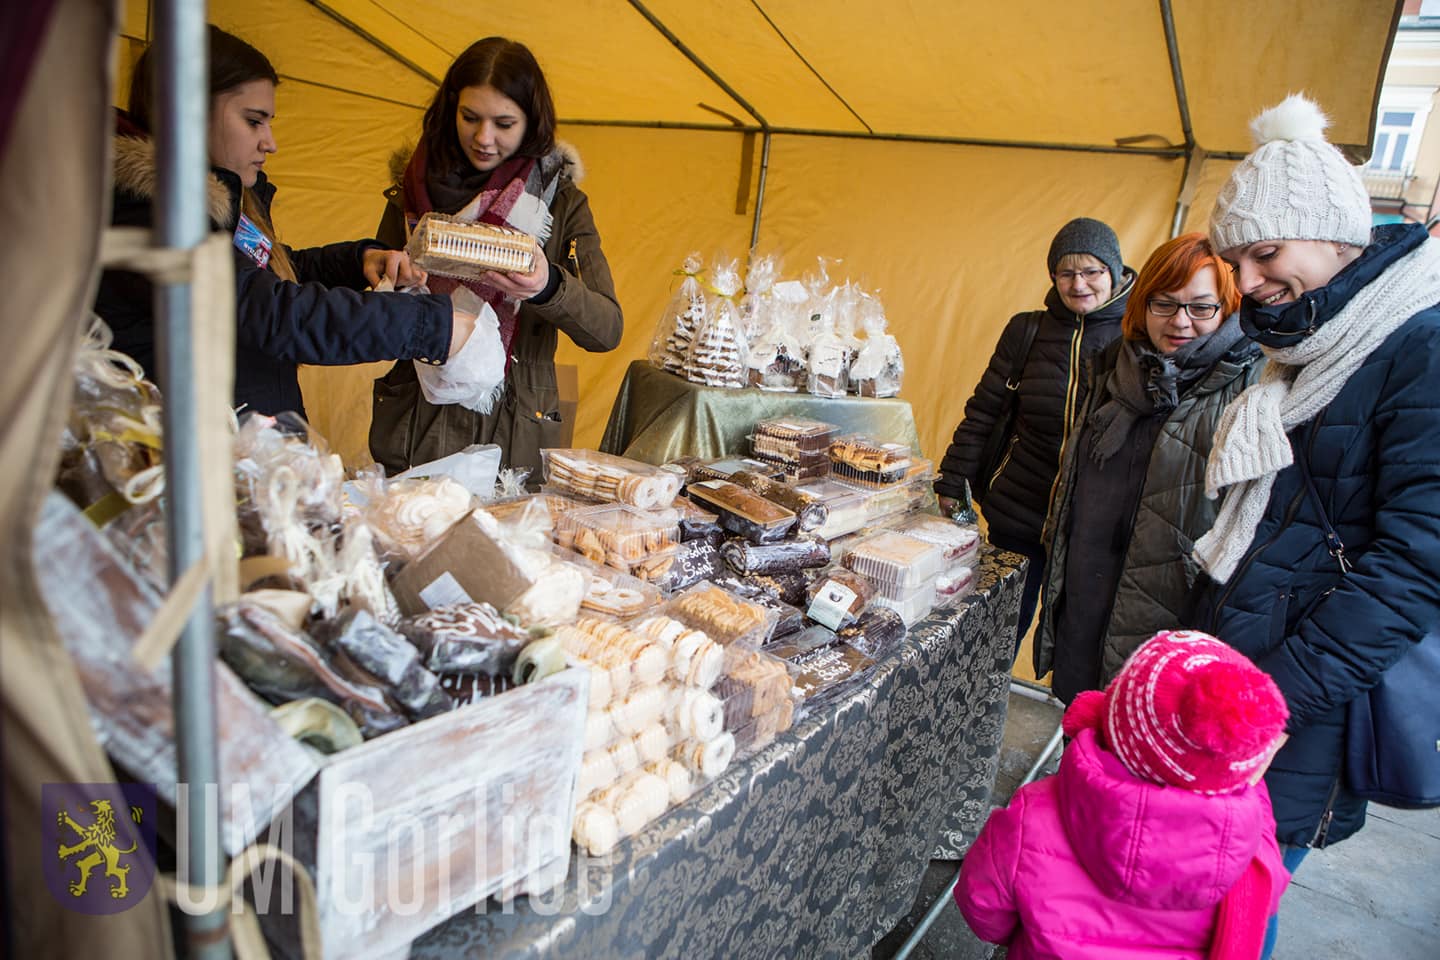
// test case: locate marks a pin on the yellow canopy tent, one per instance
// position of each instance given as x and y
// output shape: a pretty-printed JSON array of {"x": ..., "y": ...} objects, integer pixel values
[{"x": 934, "y": 146}]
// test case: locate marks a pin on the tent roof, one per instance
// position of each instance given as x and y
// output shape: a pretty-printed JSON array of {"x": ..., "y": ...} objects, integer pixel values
[{"x": 1045, "y": 72}]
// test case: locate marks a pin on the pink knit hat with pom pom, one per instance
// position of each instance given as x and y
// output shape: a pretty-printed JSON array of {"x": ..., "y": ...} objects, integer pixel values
[{"x": 1188, "y": 711}]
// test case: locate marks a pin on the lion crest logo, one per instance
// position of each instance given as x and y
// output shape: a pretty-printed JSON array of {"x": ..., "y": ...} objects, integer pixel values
[{"x": 101, "y": 839}]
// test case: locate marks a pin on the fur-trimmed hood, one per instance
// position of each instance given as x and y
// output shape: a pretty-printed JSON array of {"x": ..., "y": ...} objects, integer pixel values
[
  {"x": 573, "y": 168},
  {"x": 135, "y": 174}
]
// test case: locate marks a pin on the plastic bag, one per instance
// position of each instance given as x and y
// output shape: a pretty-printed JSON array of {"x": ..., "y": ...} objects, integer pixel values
[
  {"x": 754, "y": 307},
  {"x": 878, "y": 367},
  {"x": 474, "y": 378},
  {"x": 476, "y": 468},
  {"x": 717, "y": 353},
  {"x": 682, "y": 317}
]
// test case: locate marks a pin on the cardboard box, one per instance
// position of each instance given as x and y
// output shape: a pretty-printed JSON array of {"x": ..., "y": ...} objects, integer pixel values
[{"x": 465, "y": 565}]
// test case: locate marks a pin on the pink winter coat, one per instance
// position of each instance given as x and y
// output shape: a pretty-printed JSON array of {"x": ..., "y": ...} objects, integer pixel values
[{"x": 1095, "y": 863}]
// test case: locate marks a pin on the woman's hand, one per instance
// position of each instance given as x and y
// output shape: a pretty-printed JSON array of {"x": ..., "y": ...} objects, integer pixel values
[
  {"x": 462, "y": 323},
  {"x": 392, "y": 265},
  {"x": 521, "y": 286}
]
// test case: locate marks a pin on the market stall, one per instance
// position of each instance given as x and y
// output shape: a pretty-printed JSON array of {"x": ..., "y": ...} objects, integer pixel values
[{"x": 814, "y": 845}]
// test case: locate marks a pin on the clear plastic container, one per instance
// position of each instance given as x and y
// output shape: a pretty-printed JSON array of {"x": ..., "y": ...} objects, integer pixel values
[
  {"x": 726, "y": 618},
  {"x": 603, "y": 476},
  {"x": 641, "y": 543},
  {"x": 954, "y": 585},
  {"x": 743, "y": 512},
  {"x": 911, "y": 606},
  {"x": 612, "y": 592},
  {"x": 859, "y": 459},
  {"x": 847, "y": 508},
  {"x": 790, "y": 437},
  {"x": 894, "y": 560},
  {"x": 724, "y": 467},
  {"x": 754, "y": 683},
  {"x": 444, "y": 245},
  {"x": 957, "y": 541}
]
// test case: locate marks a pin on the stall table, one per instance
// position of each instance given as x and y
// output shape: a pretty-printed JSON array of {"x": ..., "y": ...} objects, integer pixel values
[
  {"x": 812, "y": 846},
  {"x": 658, "y": 416}
]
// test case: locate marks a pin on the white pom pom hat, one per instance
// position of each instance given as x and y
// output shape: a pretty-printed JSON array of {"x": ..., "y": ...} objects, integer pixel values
[{"x": 1295, "y": 186}]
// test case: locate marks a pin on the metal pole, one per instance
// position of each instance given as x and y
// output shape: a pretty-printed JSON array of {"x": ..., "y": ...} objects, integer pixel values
[
  {"x": 180, "y": 222},
  {"x": 760, "y": 190}
]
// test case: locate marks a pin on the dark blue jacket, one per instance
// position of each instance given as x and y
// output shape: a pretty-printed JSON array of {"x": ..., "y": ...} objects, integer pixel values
[
  {"x": 1374, "y": 453},
  {"x": 322, "y": 319}
]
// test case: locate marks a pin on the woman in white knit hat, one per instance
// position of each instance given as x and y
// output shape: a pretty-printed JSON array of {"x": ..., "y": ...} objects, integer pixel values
[{"x": 1341, "y": 433}]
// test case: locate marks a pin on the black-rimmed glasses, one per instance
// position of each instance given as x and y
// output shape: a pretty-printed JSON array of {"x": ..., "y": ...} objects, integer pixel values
[{"x": 1198, "y": 309}]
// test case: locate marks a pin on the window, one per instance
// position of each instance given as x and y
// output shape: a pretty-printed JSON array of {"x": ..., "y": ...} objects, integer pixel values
[{"x": 1398, "y": 128}]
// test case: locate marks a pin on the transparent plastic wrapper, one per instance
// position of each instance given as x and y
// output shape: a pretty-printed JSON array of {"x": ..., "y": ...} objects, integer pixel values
[
  {"x": 824, "y": 671},
  {"x": 723, "y": 468},
  {"x": 693, "y": 561},
  {"x": 763, "y": 730},
  {"x": 475, "y": 468},
  {"x": 895, "y": 560},
  {"x": 810, "y": 512},
  {"x": 282, "y": 664},
  {"x": 696, "y": 715},
  {"x": 603, "y": 476},
  {"x": 697, "y": 523},
  {"x": 789, "y": 588},
  {"x": 615, "y": 594},
  {"x": 911, "y": 605},
  {"x": 288, "y": 487},
  {"x": 705, "y": 759},
  {"x": 641, "y": 543},
  {"x": 878, "y": 631},
  {"x": 695, "y": 660},
  {"x": 793, "y": 438},
  {"x": 846, "y": 508},
  {"x": 466, "y": 638},
  {"x": 954, "y": 585},
  {"x": 389, "y": 658},
  {"x": 474, "y": 376},
  {"x": 717, "y": 352},
  {"x": 725, "y": 618},
  {"x": 855, "y": 458},
  {"x": 786, "y": 556},
  {"x": 112, "y": 439},
  {"x": 839, "y": 597},
  {"x": 958, "y": 542},
  {"x": 878, "y": 367},
  {"x": 754, "y": 307},
  {"x": 409, "y": 516},
  {"x": 765, "y": 591},
  {"x": 632, "y": 659},
  {"x": 754, "y": 683},
  {"x": 554, "y": 505},
  {"x": 743, "y": 512},
  {"x": 884, "y": 503},
  {"x": 830, "y": 352},
  {"x": 683, "y": 316},
  {"x": 466, "y": 250}
]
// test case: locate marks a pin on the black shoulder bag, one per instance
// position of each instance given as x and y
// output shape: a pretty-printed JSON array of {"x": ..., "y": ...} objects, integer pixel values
[
  {"x": 999, "y": 439},
  {"x": 1392, "y": 731}
]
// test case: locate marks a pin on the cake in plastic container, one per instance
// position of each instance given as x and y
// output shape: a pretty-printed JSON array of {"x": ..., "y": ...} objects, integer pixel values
[
  {"x": 912, "y": 605},
  {"x": 859, "y": 459},
  {"x": 465, "y": 250},
  {"x": 895, "y": 560},
  {"x": 743, "y": 512},
  {"x": 958, "y": 542}
]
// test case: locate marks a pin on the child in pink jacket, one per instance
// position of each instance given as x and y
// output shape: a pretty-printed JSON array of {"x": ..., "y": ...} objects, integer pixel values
[{"x": 1156, "y": 838}]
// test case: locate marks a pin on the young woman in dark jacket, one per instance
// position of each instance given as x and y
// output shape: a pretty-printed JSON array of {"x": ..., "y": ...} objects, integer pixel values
[
  {"x": 292, "y": 306},
  {"x": 487, "y": 152},
  {"x": 1348, "y": 318},
  {"x": 1129, "y": 504},
  {"x": 1081, "y": 317}
]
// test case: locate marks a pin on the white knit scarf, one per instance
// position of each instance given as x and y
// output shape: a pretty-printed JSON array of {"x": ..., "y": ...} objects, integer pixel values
[{"x": 1251, "y": 445}]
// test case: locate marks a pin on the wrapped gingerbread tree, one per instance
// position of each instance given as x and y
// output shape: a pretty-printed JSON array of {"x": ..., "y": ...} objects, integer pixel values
[
  {"x": 682, "y": 317},
  {"x": 717, "y": 350}
]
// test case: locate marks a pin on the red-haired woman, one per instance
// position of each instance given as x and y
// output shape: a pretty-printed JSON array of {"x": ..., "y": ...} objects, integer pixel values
[{"x": 1131, "y": 500}]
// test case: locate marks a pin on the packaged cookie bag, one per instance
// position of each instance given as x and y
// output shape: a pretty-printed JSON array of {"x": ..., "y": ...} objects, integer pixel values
[
  {"x": 829, "y": 374},
  {"x": 682, "y": 317},
  {"x": 717, "y": 352},
  {"x": 878, "y": 367},
  {"x": 754, "y": 306}
]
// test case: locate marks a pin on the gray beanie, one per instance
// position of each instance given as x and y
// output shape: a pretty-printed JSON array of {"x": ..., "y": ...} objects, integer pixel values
[
  {"x": 1295, "y": 186},
  {"x": 1084, "y": 235}
]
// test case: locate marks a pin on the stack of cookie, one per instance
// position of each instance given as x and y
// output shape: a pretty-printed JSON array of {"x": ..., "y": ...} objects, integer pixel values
[
  {"x": 602, "y": 476},
  {"x": 800, "y": 448},
  {"x": 640, "y": 543},
  {"x": 859, "y": 459}
]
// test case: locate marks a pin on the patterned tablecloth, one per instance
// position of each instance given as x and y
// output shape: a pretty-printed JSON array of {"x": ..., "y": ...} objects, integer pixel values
[{"x": 813, "y": 846}]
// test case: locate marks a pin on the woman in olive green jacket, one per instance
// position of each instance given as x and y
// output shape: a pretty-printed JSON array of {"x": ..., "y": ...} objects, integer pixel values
[
  {"x": 1131, "y": 500},
  {"x": 488, "y": 152}
]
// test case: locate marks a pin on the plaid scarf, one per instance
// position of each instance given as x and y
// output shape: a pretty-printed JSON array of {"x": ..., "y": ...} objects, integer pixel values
[{"x": 517, "y": 194}]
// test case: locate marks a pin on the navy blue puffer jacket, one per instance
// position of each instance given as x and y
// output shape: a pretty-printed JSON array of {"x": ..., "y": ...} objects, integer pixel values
[{"x": 1374, "y": 453}]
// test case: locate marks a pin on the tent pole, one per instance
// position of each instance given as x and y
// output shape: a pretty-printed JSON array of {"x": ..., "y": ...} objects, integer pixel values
[
  {"x": 1182, "y": 102},
  {"x": 180, "y": 219},
  {"x": 760, "y": 190}
]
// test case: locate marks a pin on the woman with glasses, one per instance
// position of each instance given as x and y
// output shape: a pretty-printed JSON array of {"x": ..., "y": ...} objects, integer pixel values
[
  {"x": 1081, "y": 317},
  {"x": 1130, "y": 499},
  {"x": 1341, "y": 436}
]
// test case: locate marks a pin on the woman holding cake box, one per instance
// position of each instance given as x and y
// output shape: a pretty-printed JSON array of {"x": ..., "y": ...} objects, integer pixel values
[
  {"x": 488, "y": 153},
  {"x": 1129, "y": 502},
  {"x": 292, "y": 306}
]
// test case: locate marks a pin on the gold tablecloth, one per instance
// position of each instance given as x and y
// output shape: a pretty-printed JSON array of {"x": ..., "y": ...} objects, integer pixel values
[{"x": 658, "y": 416}]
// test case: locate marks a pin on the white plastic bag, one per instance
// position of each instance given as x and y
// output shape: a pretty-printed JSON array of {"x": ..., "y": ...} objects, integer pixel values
[{"x": 474, "y": 377}]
